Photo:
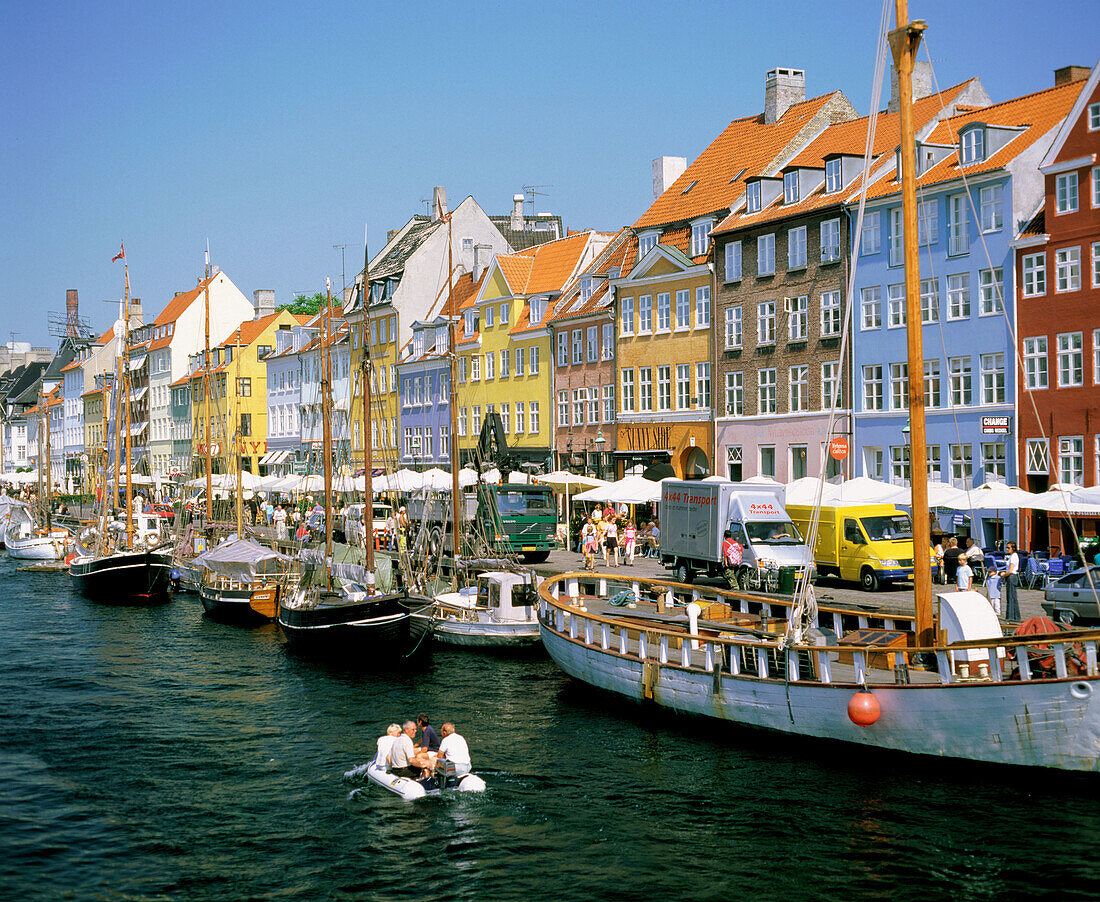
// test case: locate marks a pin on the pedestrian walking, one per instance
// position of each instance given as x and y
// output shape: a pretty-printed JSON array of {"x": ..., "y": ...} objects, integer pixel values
[
  {"x": 993, "y": 589},
  {"x": 732, "y": 556}
]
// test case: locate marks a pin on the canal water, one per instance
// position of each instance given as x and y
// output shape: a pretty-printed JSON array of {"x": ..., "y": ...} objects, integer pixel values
[{"x": 156, "y": 754}]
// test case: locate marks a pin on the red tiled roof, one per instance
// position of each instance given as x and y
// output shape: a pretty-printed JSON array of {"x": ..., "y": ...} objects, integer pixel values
[
  {"x": 745, "y": 144},
  {"x": 544, "y": 267},
  {"x": 174, "y": 310},
  {"x": 620, "y": 253},
  {"x": 1037, "y": 113}
]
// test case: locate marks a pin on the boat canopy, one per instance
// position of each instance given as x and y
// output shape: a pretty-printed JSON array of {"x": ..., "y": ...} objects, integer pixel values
[{"x": 241, "y": 559}]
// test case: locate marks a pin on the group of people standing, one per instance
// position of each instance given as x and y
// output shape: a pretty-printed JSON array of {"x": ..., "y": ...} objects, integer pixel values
[
  {"x": 405, "y": 755},
  {"x": 961, "y": 564},
  {"x": 613, "y": 532}
]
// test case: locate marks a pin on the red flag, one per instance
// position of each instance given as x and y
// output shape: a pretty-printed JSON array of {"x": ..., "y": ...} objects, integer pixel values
[{"x": 121, "y": 255}]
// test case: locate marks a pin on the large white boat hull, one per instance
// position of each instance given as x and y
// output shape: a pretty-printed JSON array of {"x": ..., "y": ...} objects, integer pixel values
[
  {"x": 53, "y": 547},
  {"x": 1048, "y": 723}
]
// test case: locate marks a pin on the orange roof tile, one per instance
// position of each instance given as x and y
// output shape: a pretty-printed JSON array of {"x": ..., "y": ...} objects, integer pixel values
[
  {"x": 174, "y": 310},
  {"x": 251, "y": 329},
  {"x": 621, "y": 247},
  {"x": 544, "y": 267},
  {"x": 1038, "y": 113},
  {"x": 745, "y": 147}
]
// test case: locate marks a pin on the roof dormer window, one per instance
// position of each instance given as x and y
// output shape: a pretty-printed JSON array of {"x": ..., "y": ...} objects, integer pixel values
[
  {"x": 790, "y": 187},
  {"x": 538, "y": 310},
  {"x": 700, "y": 236},
  {"x": 646, "y": 242},
  {"x": 753, "y": 197},
  {"x": 972, "y": 145},
  {"x": 834, "y": 175},
  {"x": 586, "y": 288}
]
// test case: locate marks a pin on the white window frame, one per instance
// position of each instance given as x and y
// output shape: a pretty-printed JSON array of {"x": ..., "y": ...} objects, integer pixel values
[
  {"x": 1034, "y": 271},
  {"x": 991, "y": 286},
  {"x": 626, "y": 316},
  {"x": 960, "y": 378},
  {"x": 873, "y": 398},
  {"x": 664, "y": 312},
  {"x": 930, "y": 300},
  {"x": 1071, "y": 459},
  {"x": 646, "y": 242},
  {"x": 958, "y": 296},
  {"x": 765, "y": 255},
  {"x": 834, "y": 175},
  {"x": 1067, "y": 269},
  {"x": 830, "y": 384},
  {"x": 767, "y": 391},
  {"x": 664, "y": 387},
  {"x": 1036, "y": 363},
  {"x": 895, "y": 302},
  {"x": 870, "y": 239},
  {"x": 972, "y": 145},
  {"x": 791, "y": 193},
  {"x": 830, "y": 314},
  {"x": 626, "y": 380},
  {"x": 702, "y": 385},
  {"x": 683, "y": 309},
  {"x": 702, "y": 307},
  {"x": 830, "y": 240},
  {"x": 1037, "y": 457},
  {"x": 1071, "y": 359},
  {"x": 645, "y": 314},
  {"x": 1066, "y": 194},
  {"x": 798, "y": 388},
  {"x": 765, "y": 323},
  {"x": 958, "y": 225},
  {"x": 993, "y": 377},
  {"x": 733, "y": 262},
  {"x": 796, "y": 248},
  {"x": 798, "y": 319},
  {"x": 870, "y": 307},
  {"x": 928, "y": 231},
  {"x": 991, "y": 207},
  {"x": 734, "y": 327},
  {"x": 735, "y": 394},
  {"x": 700, "y": 237},
  {"x": 683, "y": 386}
]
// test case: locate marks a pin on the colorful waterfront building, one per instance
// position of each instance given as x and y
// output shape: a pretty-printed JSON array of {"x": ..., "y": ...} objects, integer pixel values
[
  {"x": 503, "y": 364},
  {"x": 408, "y": 277},
  {"x": 582, "y": 332},
  {"x": 977, "y": 182},
  {"x": 238, "y": 394},
  {"x": 1057, "y": 268},
  {"x": 665, "y": 348},
  {"x": 782, "y": 265}
]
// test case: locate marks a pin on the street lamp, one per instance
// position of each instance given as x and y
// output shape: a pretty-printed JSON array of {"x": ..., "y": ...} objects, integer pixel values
[
  {"x": 569, "y": 455},
  {"x": 599, "y": 441}
]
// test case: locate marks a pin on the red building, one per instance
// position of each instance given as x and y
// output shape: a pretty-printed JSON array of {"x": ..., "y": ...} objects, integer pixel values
[{"x": 1058, "y": 319}]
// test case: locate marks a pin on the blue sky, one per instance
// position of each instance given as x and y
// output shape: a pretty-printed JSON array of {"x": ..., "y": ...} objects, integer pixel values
[{"x": 276, "y": 130}]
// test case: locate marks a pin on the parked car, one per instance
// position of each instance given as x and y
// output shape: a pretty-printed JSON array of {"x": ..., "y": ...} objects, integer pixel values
[
  {"x": 1075, "y": 597},
  {"x": 163, "y": 510}
]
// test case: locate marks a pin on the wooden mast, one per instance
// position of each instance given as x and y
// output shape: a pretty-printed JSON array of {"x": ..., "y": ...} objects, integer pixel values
[
  {"x": 126, "y": 402},
  {"x": 208, "y": 428},
  {"x": 101, "y": 539},
  {"x": 237, "y": 435},
  {"x": 326, "y": 429},
  {"x": 368, "y": 441},
  {"x": 904, "y": 41},
  {"x": 46, "y": 497},
  {"x": 456, "y": 490}
]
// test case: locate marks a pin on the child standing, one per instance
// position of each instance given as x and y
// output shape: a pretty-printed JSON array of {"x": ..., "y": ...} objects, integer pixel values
[
  {"x": 993, "y": 588},
  {"x": 591, "y": 540},
  {"x": 964, "y": 575}
]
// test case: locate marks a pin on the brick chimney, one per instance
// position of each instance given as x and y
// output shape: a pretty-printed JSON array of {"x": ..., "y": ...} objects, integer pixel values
[
  {"x": 783, "y": 88},
  {"x": 665, "y": 171},
  {"x": 1068, "y": 74},
  {"x": 72, "y": 314}
]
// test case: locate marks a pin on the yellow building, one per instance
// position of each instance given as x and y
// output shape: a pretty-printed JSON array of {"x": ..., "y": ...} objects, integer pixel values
[
  {"x": 93, "y": 423},
  {"x": 504, "y": 344},
  {"x": 664, "y": 359},
  {"x": 238, "y": 383}
]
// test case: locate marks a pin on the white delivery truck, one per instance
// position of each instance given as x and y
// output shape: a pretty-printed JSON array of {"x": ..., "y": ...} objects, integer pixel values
[{"x": 696, "y": 514}]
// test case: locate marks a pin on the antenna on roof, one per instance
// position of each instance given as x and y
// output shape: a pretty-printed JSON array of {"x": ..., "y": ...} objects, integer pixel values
[{"x": 530, "y": 192}]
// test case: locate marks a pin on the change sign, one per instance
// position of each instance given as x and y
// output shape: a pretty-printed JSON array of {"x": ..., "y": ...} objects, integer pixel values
[{"x": 995, "y": 426}]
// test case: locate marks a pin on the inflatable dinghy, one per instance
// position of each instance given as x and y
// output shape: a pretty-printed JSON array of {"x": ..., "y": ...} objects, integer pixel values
[{"x": 410, "y": 789}]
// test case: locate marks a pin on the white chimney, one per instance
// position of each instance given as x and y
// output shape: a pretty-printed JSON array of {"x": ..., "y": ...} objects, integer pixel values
[
  {"x": 483, "y": 253},
  {"x": 263, "y": 299},
  {"x": 516, "y": 223},
  {"x": 665, "y": 171},
  {"x": 783, "y": 88},
  {"x": 439, "y": 203}
]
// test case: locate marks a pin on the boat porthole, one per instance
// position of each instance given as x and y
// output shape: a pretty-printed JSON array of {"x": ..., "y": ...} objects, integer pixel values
[{"x": 1080, "y": 690}]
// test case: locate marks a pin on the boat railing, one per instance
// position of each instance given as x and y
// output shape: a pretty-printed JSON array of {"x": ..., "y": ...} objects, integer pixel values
[
  {"x": 759, "y": 650},
  {"x": 456, "y": 611}
]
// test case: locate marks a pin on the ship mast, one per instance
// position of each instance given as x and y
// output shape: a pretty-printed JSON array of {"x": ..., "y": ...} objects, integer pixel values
[
  {"x": 368, "y": 441},
  {"x": 237, "y": 436},
  {"x": 456, "y": 495},
  {"x": 904, "y": 41},
  {"x": 126, "y": 402},
  {"x": 101, "y": 539},
  {"x": 46, "y": 496},
  {"x": 208, "y": 428},
  {"x": 326, "y": 428}
]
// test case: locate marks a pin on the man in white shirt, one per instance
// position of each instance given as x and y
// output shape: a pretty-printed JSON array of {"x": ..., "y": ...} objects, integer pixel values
[
  {"x": 454, "y": 748},
  {"x": 1012, "y": 580},
  {"x": 402, "y": 753}
]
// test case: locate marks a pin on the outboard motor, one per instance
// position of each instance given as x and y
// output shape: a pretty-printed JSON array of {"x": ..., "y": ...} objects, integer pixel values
[{"x": 445, "y": 775}]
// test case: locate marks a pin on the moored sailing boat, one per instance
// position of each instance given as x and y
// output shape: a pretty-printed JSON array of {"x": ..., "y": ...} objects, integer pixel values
[
  {"x": 129, "y": 563},
  {"x": 338, "y": 608},
  {"x": 958, "y": 688}
]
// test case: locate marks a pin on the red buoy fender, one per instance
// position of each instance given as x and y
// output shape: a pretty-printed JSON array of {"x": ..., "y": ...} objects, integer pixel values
[
  {"x": 70, "y": 557},
  {"x": 863, "y": 709}
]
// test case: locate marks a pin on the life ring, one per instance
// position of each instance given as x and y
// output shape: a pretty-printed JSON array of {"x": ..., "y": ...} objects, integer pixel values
[{"x": 70, "y": 557}]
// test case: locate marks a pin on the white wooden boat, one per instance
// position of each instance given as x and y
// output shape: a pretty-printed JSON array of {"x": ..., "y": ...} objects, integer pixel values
[
  {"x": 1025, "y": 700},
  {"x": 499, "y": 612},
  {"x": 26, "y": 540}
]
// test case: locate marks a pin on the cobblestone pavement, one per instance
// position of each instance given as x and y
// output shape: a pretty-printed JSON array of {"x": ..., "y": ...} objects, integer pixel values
[{"x": 896, "y": 597}]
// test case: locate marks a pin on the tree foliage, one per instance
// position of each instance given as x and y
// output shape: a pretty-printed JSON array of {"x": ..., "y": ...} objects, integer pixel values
[{"x": 304, "y": 305}]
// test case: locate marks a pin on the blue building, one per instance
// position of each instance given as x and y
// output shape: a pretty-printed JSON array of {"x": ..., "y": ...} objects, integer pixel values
[
  {"x": 424, "y": 373},
  {"x": 978, "y": 184}
]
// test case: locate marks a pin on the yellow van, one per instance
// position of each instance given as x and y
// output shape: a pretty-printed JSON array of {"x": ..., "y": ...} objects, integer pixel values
[{"x": 867, "y": 543}]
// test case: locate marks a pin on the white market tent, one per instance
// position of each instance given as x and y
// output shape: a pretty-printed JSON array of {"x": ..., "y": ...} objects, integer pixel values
[{"x": 628, "y": 490}]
